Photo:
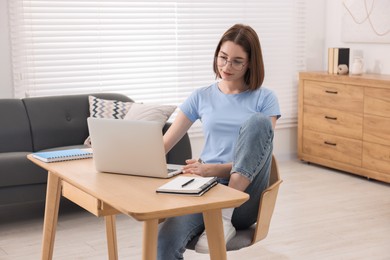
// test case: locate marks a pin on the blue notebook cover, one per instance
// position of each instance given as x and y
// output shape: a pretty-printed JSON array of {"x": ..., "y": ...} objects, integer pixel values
[{"x": 63, "y": 155}]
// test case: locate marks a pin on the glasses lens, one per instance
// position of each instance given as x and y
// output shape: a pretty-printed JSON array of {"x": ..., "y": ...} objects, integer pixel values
[
  {"x": 236, "y": 65},
  {"x": 221, "y": 61}
]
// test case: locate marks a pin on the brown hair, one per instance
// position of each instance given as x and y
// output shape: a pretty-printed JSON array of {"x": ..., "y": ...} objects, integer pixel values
[{"x": 247, "y": 38}]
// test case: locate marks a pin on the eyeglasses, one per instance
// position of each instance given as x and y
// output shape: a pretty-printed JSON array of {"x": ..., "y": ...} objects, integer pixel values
[{"x": 236, "y": 64}]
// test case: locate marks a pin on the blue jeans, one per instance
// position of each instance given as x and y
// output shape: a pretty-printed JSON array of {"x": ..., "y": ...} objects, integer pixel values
[{"x": 252, "y": 159}]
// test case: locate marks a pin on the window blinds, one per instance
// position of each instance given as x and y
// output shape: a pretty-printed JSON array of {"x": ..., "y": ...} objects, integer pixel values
[{"x": 152, "y": 51}]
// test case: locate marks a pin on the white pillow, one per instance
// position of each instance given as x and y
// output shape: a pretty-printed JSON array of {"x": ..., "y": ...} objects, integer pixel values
[{"x": 150, "y": 112}]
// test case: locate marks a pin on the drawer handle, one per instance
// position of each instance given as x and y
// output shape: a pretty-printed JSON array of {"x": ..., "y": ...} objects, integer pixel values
[
  {"x": 329, "y": 143},
  {"x": 331, "y": 117},
  {"x": 331, "y": 91}
]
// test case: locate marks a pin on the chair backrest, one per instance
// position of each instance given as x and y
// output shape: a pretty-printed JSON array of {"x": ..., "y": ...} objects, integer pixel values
[
  {"x": 267, "y": 203},
  {"x": 259, "y": 231}
]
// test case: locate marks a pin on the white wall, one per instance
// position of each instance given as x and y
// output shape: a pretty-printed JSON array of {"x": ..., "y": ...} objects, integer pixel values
[
  {"x": 6, "y": 88},
  {"x": 315, "y": 34},
  {"x": 376, "y": 56}
]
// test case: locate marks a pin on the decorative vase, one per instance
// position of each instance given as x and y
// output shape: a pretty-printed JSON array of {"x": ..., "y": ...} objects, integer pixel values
[{"x": 357, "y": 66}]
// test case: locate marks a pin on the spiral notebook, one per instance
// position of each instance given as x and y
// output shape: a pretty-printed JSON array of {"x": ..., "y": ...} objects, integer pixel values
[
  {"x": 63, "y": 155},
  {"x": 187, "y": 185}
]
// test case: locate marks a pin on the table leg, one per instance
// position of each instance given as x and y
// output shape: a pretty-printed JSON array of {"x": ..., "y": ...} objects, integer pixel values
[
  {"x": 214, "y": 230},
  {"x": 111, "y": 237},
  {"x": 53, "y": 194},
  {"x": 149, "y": 243}
]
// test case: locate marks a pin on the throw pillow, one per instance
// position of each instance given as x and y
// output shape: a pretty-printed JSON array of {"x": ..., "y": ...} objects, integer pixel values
[
  {"x": 150, "y": 112},
  {"x": 103, "y": 108}
]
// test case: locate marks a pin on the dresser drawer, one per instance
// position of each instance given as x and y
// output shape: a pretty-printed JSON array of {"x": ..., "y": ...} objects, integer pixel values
[
  {"x": 332, "y": 147},
  {"x": 377, "y": 102},
  {"x": 376, "y": 157},
  {"x": 376, "y": 129},
  {"x": 333, "y": 121},
  {"x": 332, "y": 95}
]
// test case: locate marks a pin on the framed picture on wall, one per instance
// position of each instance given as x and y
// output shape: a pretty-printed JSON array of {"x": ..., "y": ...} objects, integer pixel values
[{"x": 366, "y": 21}]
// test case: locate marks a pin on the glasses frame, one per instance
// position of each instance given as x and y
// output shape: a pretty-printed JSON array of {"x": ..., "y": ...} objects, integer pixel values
[{"x": 226, "y": 62}]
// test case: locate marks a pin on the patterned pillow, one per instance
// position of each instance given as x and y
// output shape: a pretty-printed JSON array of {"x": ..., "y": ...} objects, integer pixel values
[{"x": 103, "y": 108}]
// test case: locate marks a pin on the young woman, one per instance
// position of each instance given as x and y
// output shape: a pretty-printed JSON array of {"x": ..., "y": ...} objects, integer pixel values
[{"x": 238, "y": 118}]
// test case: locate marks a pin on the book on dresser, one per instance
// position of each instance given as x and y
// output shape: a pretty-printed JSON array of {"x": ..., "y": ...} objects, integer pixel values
[
  {"x": 336, "y": 57},
  {"x": 188, "y": 185},
  {"x": 63, "y": 155}
]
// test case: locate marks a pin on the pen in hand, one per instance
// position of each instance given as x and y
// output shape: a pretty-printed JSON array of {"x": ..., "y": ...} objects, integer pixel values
[{"x": 188, "y": 182}]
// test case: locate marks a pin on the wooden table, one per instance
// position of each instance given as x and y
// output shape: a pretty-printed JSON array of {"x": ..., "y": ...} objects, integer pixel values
[{"x": 106, "y": 195}]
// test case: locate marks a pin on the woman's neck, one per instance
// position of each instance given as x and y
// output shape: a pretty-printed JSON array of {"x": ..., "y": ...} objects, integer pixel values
[{"x": 232, "y": 87}]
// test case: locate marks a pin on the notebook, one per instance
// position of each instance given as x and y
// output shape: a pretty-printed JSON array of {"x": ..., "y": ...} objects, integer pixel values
[
  {"x": 63, "y": 155},
  {"x": 188, "y": 185},
  {"x": 130, "y": 147}
]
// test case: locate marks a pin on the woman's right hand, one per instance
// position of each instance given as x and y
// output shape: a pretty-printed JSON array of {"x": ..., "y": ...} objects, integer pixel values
[
  {"x": 197, "y": 167},
  {"x": 194, "y": 166}
]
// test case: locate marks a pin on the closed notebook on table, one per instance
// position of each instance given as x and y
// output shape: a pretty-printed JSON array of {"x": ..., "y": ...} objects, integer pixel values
[
  {"x": 63, "y": 155},
  {"x": 188, "y": 185}
]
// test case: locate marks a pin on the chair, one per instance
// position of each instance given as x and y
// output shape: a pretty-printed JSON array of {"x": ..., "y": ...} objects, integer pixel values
[{"x": 259, "y": 230}]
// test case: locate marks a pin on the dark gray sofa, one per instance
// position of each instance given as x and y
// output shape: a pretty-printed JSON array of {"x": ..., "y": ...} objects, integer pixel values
[{"x": 35, "y": 124}]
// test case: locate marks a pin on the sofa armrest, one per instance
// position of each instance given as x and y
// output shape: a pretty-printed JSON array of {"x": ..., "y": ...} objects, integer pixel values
[{"x": 181, "y": 151}]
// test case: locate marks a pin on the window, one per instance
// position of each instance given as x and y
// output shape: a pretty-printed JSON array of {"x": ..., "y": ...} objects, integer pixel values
[{"x": 152, "y": 51}]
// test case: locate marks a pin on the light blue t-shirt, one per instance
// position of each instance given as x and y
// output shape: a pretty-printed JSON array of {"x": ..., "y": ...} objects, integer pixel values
[{"x": 222, "y": 116}]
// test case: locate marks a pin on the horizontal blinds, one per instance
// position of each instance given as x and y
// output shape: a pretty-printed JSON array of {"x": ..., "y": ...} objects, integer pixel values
[{"x": 152, "y": 51}]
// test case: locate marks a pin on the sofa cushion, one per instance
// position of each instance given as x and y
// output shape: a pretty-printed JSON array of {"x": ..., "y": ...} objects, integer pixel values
[
  {"x": 15, "y": 133},
  {"x": 17, "y": 170},
  {"x": 23, "y": 194},
  {"x": 61, "y": 120}
]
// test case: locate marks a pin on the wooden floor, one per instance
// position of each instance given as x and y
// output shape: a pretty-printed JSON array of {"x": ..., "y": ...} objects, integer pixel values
[{"x": 320, "y": 214}]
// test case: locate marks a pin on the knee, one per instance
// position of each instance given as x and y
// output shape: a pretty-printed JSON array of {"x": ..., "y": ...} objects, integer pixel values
[{"x": 258, "y": 121}]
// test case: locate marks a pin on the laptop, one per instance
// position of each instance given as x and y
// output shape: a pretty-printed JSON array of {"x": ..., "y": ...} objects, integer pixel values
[{"x": 130, "y": 147}]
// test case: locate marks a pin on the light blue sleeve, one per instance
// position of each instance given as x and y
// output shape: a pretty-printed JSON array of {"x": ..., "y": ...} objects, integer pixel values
[
  {"x": 190, "y": 107},
  {"x": 269, "y": 104}
]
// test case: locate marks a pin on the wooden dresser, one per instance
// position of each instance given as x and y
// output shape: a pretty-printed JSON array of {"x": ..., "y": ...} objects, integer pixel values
[{"x": 344, "y": 122}]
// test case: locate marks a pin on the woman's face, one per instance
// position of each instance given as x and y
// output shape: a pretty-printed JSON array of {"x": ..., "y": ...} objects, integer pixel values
[{"x": 232, "y": 61}]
